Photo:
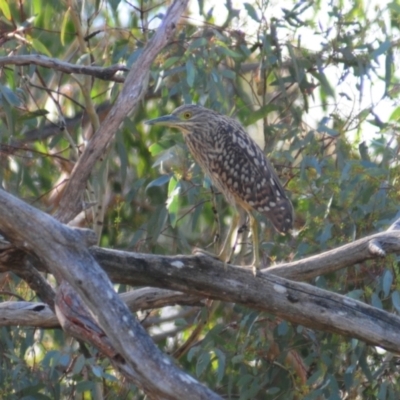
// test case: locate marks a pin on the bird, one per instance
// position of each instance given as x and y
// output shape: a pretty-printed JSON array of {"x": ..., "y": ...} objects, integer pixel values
[{"x": 237, "y": 167}]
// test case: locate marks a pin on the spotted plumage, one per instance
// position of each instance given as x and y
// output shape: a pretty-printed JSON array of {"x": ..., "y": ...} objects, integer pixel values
[{"x": 234, "y": 162}]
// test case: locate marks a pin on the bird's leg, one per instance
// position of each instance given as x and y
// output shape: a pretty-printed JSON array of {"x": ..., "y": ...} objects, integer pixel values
[
  {"x": 244, "y": 234},
  {"x": 241, "y": 235},
  {"x": 256, "y": 255},
  {"x": 216, "y": 219},
  {"x": 227, "y": 249}
]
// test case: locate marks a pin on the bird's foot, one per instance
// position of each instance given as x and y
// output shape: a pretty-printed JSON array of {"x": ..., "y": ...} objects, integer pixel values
[
  {"x": 201, "y": 252},
  {"x": 256, "y": 270},
  {"x": 197, "y": 251}
]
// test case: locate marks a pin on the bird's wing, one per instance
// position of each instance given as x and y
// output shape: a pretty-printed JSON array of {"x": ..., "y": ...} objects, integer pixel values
[{"x": 246, "y": 173}]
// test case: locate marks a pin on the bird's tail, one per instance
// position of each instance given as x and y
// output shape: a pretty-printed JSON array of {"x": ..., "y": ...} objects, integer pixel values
[{"x": 282, "y": 216}]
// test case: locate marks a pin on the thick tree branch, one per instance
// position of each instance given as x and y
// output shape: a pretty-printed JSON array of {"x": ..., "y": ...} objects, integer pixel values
[
  {"x": 105, "y": 73},
  {"x": 371, "y": 247},
  {"x": 12, "y": 259},
  {"x": 36, "y": 282},
  {"x": 296, "y": 302},
  {"x": 299, "y": 303},
  {"x": 132, "y": 93},
  {"x": 26, "y": 313},
  {"x": 67, "y": 257},
  {"x": 387, "y": 242},
  {"x": 40, "y": 315}
]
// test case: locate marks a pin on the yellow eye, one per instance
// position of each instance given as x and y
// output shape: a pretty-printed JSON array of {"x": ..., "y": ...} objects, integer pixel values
[{"x": 187, "y": 115}]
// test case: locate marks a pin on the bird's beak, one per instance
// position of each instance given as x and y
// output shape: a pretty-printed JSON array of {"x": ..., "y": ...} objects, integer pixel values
[{"x": 166, "y": 120}]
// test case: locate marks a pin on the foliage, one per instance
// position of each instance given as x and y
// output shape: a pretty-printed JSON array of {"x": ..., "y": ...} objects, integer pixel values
[{"x": 318, "y": 81}]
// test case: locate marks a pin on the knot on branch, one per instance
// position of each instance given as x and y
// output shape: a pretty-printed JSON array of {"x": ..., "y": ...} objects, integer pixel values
[{"x": 376, "y": 249}]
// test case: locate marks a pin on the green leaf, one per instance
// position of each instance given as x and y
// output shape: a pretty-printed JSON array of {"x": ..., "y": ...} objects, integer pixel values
[
  {"x": 190, "y": 73},
  {"x": 222, "y": 47},
  {"x": 273, "y": 390},
  {"x": 64, "y": 25},
  {"x": 78, "y": 365},
  {"x": 137, "y": 236},
  {"x": 395, "y": 115},
  {"x": 376, "y": 301},
  {"x": 172, "y": 185},
  {"x": 355, "y": 294},
  {"x": 396, "y": 300},
  {"x": 252, "y": 12},
  {"x": 383, "y": 391},
  {"x": 326, "y": 233},
  {"x": 33, "y": 114},
  {"x": 383, "y": 48},
  {"x": 40, "y": 47},
  {"x": 228, "y": 73},
  {"x": 237, "y": 359},
  {"x": 283, "y": 328},
  {"x": 64, "y": 360},
  {"x": 155, "y": 149},
  {"x": 221, "y": 364},
  {"x": 97, "y": 370},
  {"x": 323, "y": 128},
  {"x": 200, "y": 42},
  {"x": 262, "y": 112},
  {"x": 193, "y": 352},
  {"x": 388, "y": 70},
  {"x": 173, "y": 206},
  {"x": 5, "y": 9},
  {"x": 173, "y": 201},
  {"x": 202, "y": 363},
  {"x": 110, "y": 377},
  {"x": 162, "y": 180},
  {"x": 387, "y": 281},
  {"x": 7, "y": 109},
  {"x": 84, "y": 386},
  {"x": 133, "y": 57},
  {"x": 10, "y": 96},
  {"x": 169, "y": 62}
]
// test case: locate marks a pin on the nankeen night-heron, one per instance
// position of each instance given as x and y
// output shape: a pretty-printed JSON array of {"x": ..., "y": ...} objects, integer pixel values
[{"x": 237, "y": 167}]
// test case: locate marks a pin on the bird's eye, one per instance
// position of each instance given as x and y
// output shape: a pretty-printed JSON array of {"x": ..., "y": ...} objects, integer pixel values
[{"x": 187, "y": 114}]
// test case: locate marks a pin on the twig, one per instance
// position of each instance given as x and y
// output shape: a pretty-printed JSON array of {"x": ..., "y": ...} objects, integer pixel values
[{"x": 104, "y": 73}]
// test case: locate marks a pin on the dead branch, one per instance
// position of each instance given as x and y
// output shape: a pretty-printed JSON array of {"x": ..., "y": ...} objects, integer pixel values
[
  {"x": 40, "y": 315},
  {"x": 104, "y": 73},
  {"x": 296, "y": 302},
  {"x": 370, "y": 247},
  {"x": 63, "y": 252},
  {"x": 132, "y": 93},
  {"x": 32, "y": 231},
  {"x": 26, "y": 313}
]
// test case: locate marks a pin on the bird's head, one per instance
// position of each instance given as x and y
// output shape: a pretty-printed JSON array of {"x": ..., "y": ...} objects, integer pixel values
[{"x": 186, "y": 118}]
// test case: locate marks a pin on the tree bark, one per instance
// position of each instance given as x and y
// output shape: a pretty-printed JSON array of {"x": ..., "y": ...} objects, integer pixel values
[{"x": 132, "y": 93}]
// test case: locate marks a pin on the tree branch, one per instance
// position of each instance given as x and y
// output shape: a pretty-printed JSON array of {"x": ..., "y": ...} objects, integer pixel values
[
  {"x": 299, "y": 303},
  {"x": 370, "y": 247},
  {"x": 105, "y": 73},
  {"x": 387, "y": 242},
  {"x": 296, "y": 302},
  {"x": 63, "y": 252},
  {"x": 26, "y": 313},
  {"x": 132, "y": 93},
  {"x": 40, "y": 315}
]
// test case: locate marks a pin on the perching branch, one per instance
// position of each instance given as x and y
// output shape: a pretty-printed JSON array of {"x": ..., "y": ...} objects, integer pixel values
[
  {"x": 371, "y": 247},
  {"x": 296, "y": 302},
  {"x": 32, "y": 231},
  {"x": 105, "y": 73}
]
